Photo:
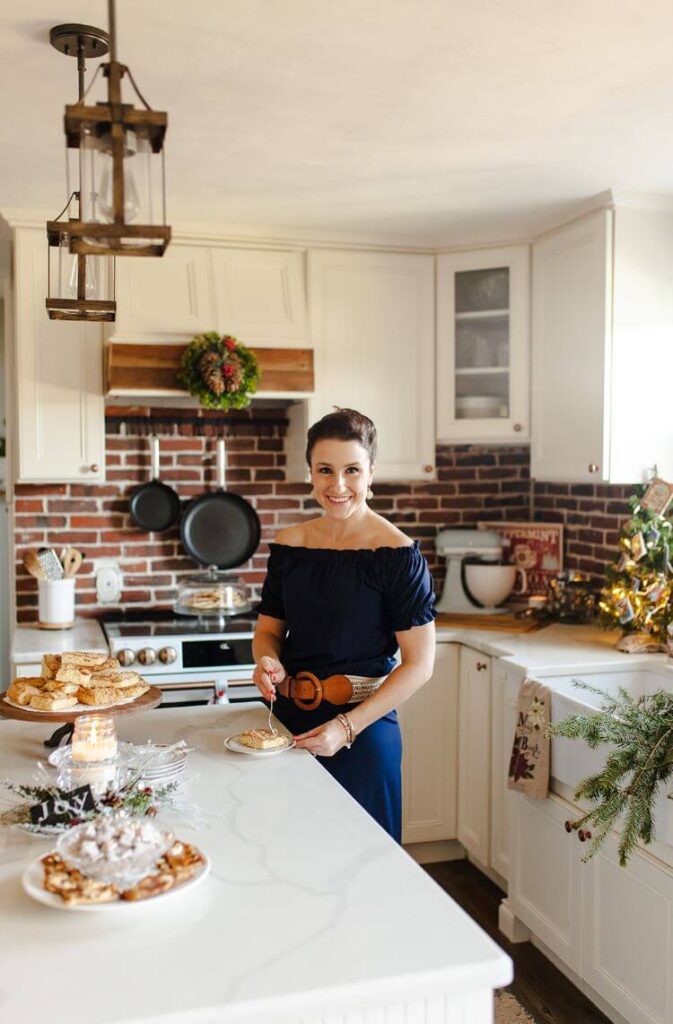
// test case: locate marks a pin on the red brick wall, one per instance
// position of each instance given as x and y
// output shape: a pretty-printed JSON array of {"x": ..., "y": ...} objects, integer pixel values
[{"x": 474, "y": 482}]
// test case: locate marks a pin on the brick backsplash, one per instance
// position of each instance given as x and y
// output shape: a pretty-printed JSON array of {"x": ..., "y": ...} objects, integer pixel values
[{"x": 474, "y": 482}]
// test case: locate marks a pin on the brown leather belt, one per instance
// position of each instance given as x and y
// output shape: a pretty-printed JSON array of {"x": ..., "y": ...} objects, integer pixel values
[{"x": 307, "y": 691}]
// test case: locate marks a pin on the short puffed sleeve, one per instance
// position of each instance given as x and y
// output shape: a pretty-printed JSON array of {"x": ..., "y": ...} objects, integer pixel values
[
  {"x": 272, "y": 591},
  {"x": 408, "y": 590}
]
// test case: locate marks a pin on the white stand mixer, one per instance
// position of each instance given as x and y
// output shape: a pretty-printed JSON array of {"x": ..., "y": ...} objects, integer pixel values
[{"x": 455, "y": 546}]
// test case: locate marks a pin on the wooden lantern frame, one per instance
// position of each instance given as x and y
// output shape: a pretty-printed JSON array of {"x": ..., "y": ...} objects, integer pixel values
[{"x": 113, "y": 119}]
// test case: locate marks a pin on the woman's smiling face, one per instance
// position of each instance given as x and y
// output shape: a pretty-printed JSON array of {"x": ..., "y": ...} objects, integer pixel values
[{"x": 340, "y": 474}]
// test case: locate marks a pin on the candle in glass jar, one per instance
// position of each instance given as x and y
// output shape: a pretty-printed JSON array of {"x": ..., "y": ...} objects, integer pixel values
[{"x": 94, "y": 739}]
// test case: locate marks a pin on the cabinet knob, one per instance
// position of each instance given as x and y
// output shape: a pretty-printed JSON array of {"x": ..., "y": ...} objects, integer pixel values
[
  {"x": 428, "y": 469},
  {"x": 568, "y": 825},
  {"x": 481, "y": 666},
  {"x": 94, "y": 467},
  {"x": 593, "y": 467},
  {"x": 583, "y": 835},
  {"x": 518, "y": 427}
]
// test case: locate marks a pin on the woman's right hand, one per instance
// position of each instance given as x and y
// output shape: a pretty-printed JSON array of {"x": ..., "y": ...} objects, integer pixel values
[{"x": 268, "y": 673}]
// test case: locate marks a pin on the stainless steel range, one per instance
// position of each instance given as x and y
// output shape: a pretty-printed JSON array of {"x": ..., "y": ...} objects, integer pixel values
[{"x": 192, "y": 660}]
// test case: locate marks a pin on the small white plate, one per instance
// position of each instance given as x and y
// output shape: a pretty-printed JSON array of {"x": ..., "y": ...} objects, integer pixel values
[
  {"x": 33, "y": 884},
  {"x": 232, "y": 743}
]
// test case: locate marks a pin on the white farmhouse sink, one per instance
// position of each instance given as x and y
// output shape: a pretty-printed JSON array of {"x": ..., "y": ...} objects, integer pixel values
[{"x": 573, "y": 760}]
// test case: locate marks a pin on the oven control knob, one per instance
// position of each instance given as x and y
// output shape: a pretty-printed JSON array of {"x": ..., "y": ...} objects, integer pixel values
[
  {"x": 126, "y": 657},
  {"x": 168, "y": 655},
  {"x": 146, "y": 656}
]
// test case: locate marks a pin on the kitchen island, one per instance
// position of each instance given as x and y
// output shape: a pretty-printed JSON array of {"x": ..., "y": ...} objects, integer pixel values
[{"x": 312, "y": 914}]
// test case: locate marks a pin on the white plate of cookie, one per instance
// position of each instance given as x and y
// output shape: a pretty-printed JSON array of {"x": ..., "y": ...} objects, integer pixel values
[
  {"x": 259, "y": 743},
  {"x": 76, "y": 681},
  {"x": 58, "y": 885}
]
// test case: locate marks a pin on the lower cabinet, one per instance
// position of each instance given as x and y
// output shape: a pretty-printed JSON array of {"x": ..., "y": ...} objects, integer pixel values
[
  {"x": 474, "y": 754},
  {"x": 429, "y": 761},
  {"x": 612, "y": 926}
]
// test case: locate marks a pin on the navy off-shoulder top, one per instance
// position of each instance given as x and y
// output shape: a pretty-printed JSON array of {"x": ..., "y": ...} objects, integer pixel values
[{"x": 343, "y": 608}]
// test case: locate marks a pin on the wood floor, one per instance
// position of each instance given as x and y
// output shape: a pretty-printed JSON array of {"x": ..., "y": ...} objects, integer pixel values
[{"x": 540, "y": 988}]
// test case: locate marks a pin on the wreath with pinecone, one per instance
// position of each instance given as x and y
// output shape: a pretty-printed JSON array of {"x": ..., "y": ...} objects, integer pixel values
[{"x": 219, "y": 371}]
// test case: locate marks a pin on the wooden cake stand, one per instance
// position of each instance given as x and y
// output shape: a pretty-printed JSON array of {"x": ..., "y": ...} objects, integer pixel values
[{"x": 148, "y": 700}]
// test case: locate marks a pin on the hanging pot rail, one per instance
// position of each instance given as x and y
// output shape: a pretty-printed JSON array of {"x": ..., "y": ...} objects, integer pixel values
[{"x": 152, "y": 369}]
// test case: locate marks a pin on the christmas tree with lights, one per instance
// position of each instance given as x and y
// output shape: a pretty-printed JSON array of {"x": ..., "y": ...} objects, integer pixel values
[{"x": 638, "y": 597}]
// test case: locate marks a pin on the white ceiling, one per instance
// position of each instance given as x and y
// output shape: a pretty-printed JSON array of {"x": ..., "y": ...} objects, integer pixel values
[{"x": 429, "y": 122}]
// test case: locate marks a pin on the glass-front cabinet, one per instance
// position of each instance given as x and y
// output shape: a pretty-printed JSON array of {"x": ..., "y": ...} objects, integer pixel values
[{"x": 483, "y": 345}]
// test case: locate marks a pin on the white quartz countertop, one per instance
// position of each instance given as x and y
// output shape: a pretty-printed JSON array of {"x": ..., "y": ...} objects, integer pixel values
[
  {"x": 554, "y": 650},
  {"x": 311, "y": 912},
  {"x": 29, "y": 643}
]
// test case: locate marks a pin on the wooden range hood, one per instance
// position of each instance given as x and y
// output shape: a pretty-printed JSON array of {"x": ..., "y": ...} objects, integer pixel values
[{"x": 151, "y": 370}]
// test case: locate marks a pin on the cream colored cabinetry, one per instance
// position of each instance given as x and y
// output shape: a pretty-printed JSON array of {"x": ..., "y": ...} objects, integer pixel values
[
  {"x": 505, "y": 683},
  {"x": 474, "y": 754},
  {"x": 257, "y": 295},
  {"x": 602, "y": 322},
  {"x": 57, "y": 370},
  {"x": 429, "y": 724},
  {"x": 483, "y": 345},
  {"x": 372, "y": 324},
  {"x": 612, "y": 926}
]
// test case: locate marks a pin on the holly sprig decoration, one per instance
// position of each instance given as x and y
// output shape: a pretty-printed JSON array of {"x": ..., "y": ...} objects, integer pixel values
[
  {"x": 219, "y": 371},
  {"x": 639, "y": 591},
  {"x": 639, "y": 733}
]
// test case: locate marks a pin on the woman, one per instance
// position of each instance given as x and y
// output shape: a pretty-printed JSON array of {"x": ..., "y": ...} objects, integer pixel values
[{"x": 342, "y": 593}]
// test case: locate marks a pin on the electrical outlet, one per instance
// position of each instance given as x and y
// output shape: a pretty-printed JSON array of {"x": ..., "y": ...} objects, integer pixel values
[{"x": 108, "y": 582}]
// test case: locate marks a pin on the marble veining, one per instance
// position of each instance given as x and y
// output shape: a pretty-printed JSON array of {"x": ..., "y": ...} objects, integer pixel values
[{"x": 311, "y": 911}]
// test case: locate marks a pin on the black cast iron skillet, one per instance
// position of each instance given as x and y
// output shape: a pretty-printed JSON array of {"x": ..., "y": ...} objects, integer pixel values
[
  {"x": 219, "y": 528},
  {"x": 154, "y": 506}
]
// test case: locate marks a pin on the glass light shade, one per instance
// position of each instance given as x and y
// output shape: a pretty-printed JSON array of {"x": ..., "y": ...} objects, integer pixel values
[{"x": 79, "y": 288}]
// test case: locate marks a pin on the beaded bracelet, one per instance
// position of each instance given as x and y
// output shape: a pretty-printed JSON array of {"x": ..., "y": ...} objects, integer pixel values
[{"x": 347, "y": 725}]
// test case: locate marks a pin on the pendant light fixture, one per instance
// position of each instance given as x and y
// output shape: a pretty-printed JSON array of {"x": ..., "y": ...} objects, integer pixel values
[
  {"x": 79, "y": 287},
  {"x": 123, "y": 195}
]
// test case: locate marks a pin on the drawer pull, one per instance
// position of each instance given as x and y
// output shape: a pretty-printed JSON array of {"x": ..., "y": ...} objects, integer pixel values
[
  {"x": 481, "y": 666},
  {"x": 568, "y": 826},
  {"x": 583, "y": 835}
]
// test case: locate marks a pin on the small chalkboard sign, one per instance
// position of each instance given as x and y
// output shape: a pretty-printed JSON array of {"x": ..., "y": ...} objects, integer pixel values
[{"x": 59, "y": 809}]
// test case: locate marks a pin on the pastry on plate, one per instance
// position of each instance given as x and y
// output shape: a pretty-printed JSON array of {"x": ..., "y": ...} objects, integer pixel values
[
  {"x": 67, "y": 882},
  {"x": 83, "y": 659},
  {"x": 55, "y": 686},
  {"x": 103, "y": 696},
  {"x": 263, "y": 739},
  {"x": 118, "y": 680},
  {"x": 72, "y": 674},
  {"x": 23, "y": 690},
  {"x": 51, "y": 663},
  {"x": 52, "y": 701}
]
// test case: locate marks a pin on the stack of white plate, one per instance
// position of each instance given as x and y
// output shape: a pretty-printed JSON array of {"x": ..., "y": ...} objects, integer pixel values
[
  {"x": 475, "y": 407},
  {"x": 163, "y": 767}
]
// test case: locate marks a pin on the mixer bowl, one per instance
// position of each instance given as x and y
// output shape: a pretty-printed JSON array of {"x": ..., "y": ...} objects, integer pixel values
[{"x": 490, "y": 584}]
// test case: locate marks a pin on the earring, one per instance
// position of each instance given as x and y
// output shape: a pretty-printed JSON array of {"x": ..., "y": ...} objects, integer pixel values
[{"x": 370, "y": 494}]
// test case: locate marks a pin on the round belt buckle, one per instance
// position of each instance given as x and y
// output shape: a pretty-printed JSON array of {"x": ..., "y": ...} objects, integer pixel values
[{"x": 310, "y": 704}]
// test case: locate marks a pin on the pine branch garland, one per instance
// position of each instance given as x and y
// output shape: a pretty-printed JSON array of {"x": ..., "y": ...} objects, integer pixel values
[{"x": 639, "y": 734}]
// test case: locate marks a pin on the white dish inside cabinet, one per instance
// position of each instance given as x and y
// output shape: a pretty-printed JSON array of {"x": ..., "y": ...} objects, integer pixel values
[{"x": 483, "y": 345}]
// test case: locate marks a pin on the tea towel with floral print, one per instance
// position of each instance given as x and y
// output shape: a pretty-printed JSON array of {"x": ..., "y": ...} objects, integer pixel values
[{"x": 529, "y": 763}]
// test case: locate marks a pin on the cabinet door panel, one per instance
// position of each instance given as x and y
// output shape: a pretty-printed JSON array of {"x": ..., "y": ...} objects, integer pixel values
[
  {"x": 429, "y": 723},
  {"x": 260, "y": 295},
  {"x": 628, "y": 943},
  {"x": 504, "y": 682},
  {"x": 545, "y": 880},
  {"x": 373, "y": 327},
  {"x": 571, "y": 352},
  {"x": 168, "y": 298},
  {"x": 483, "y": 345},
  {"x": 59, "y": 406},
  {"x": 474, "y": 758}
]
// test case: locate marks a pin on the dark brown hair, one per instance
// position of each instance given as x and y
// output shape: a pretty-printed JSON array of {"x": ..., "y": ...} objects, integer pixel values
[{"x": 343, "y": 425}]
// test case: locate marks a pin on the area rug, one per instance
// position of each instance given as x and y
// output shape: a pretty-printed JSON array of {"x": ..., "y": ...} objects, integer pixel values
[{"x": 509, "y": 1011}]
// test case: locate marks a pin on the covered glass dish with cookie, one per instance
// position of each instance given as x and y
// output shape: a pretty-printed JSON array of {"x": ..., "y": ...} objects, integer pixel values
[{"x": 212, "y": 593}]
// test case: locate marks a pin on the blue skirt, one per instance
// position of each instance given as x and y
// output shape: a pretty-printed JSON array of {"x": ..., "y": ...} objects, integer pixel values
[{"x": 371, "y": 771}]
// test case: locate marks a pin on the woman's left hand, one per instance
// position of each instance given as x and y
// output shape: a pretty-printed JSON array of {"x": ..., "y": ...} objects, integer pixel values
[{"x": 325, "y": 741}]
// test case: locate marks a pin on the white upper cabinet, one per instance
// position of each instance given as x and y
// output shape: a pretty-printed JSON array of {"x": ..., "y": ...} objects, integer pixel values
[
  {"x": 373, "y": 330},
  {"x": 57, "y": 367},
  {"x": 602, "y": 327},
  {"x": 261, "y": 296},
  {"x": 483, "y": 345},
  {"x": 258, "y": 296}
]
